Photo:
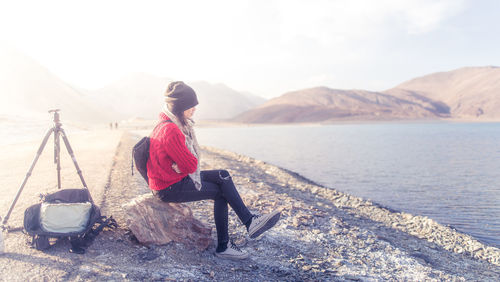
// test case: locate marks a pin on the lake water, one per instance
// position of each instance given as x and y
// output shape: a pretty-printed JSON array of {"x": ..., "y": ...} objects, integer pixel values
[{"x": 447, "y": 171}]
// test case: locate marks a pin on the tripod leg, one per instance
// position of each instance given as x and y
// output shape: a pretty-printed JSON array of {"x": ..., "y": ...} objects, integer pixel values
[
  {"x": 39, "y": 152},
  {"x": 57, "y": 159},
  {"x": 70, "y": 151}
]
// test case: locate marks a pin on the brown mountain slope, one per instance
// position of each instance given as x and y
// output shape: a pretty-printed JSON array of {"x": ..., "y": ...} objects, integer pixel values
[
  {"x": 324, "y": 104},
  {"x": 471, "y": 92}
]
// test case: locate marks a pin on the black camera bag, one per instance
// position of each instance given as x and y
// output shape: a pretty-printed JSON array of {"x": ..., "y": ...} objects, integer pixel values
[{"x": 80, "y": 239}]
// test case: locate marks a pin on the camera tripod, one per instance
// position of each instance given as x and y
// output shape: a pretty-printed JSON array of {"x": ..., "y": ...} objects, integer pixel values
[{"x": 58, "y": 132}]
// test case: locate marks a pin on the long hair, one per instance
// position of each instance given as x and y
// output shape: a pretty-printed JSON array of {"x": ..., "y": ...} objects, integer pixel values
[{"x": 179, "y": 113}]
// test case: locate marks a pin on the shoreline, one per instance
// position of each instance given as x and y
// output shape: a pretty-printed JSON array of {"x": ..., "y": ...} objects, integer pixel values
[
  {"x": 323, "y": 235},
  {"x": 413, "y": 224},
  {"x": 223, "y": 123},
  {"x": 454, "y": 186},
  {"x": 376, "y": 204},
  {"x": 146, "y": 124}
]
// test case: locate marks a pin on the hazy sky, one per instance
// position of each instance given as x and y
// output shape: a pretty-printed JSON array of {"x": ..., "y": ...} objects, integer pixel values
[{"x": 265, "y": 47}]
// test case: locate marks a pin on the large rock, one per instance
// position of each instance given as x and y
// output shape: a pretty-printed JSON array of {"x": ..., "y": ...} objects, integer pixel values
[{"x": 155, "y": 222}]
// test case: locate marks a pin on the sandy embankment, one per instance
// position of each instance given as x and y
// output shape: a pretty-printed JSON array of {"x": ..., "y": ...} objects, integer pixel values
[
  {"x": 94, "y": 151},
  {"x": 323, "y": 234}
]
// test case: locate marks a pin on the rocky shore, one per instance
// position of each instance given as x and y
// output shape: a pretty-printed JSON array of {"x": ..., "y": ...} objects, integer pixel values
[{"x": 323, "y": 235}]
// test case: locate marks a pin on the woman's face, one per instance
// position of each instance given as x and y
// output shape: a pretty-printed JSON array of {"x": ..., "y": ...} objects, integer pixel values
[{"x": 189, "y": 112}]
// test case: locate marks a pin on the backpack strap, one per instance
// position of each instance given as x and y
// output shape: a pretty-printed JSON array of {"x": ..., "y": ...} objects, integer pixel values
[
  {"x": 104, "y": 222},
  {"x": 132, "y": 165},
  {"x": 80, "y": 242},
  {"x": 40, "y": 242}
]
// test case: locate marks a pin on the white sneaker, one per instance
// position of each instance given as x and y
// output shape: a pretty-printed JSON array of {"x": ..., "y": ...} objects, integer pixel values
[
  {"x": 261, "y": 223},
  {"x": 232, "y": 252}
]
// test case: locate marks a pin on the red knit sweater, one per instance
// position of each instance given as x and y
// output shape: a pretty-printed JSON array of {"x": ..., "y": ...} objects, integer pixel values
[{"x": 168, "y": 146}]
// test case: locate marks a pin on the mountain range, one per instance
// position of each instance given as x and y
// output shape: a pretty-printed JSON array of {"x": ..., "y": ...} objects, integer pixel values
[
  {"x": 321, "y": 104},
  {"x": 140, "y": 95},
  {"x": 472, "y": 93},
  {"x": 28, "y": 88}
]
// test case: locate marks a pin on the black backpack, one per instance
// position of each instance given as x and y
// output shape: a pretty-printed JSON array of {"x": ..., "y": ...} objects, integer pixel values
[
  {"x": 78, "y": 239},
  {"x": 140, "y": 155}
]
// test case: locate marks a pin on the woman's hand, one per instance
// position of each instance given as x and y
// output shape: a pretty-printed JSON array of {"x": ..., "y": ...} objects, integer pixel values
[{"x": 176, "y": 168}]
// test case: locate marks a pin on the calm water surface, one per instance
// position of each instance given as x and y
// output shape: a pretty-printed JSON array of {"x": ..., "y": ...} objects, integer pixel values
[{"x": 447, "y": 171}]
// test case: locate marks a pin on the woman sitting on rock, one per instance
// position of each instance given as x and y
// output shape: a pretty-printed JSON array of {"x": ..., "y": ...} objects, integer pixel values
[{"x": 174, "y": 172}]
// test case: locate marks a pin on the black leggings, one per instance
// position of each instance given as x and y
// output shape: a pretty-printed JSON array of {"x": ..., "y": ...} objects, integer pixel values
[{"x": 217, "y": 185}]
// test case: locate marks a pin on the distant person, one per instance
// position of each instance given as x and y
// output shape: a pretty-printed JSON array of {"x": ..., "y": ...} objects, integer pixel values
[
  {"x": 110, "y": 125},
  {"x": 116, "y": 125},
  {"x": 174, "y": 172}
]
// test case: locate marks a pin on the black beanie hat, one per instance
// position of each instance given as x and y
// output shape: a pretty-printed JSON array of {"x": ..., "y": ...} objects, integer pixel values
[{"x": 180, "y": 97}]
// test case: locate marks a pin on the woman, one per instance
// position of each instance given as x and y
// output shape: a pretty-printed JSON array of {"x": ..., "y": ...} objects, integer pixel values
[{"x": 174, "y": 173}]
